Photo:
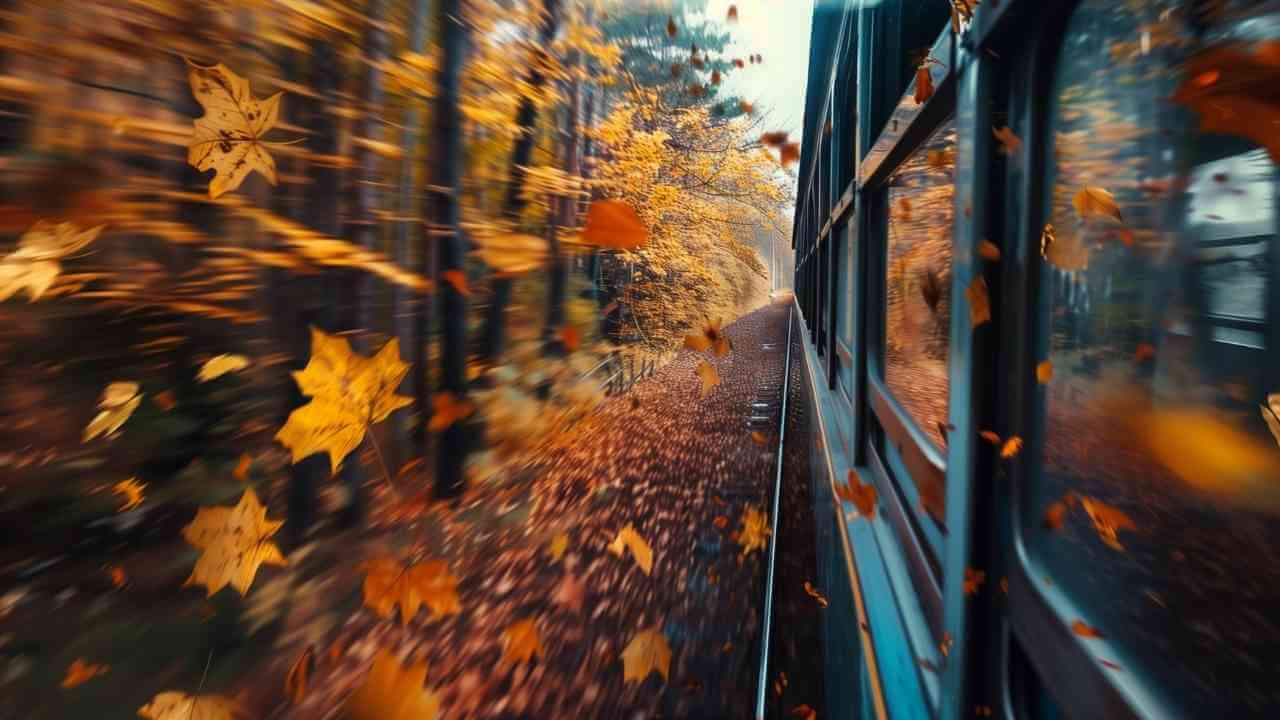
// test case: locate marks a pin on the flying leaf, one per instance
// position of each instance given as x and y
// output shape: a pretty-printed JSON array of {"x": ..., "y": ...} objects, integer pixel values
[
  {"x": 559, "y": 544},
  {"x": 924, "y": 84},
  {"x": 392, "y": 691},
  {"x": 862, "y": 495},
  {"x": 733, "y": 14},
  {"x": 228, "y": 137},
  {"x": 220, "y": 365},
  {"x": 755, "y": 531},
  {"x": 1143, "y": 353},
  {"x": 1270, "y": 417},
  {"x": 80, "y": 672},
  {"x": 458, "y": 280},
  {"x": 1009, "y": 142},
  {"x": 774, "y": 139},
  {"x": 34, "y": 265},
  {"x": 173, "y": 705},
  {"x": 812, "y": 592},
  {"x": 1083, "y": 629},
  {"x": 1230, "y": 87},
  {"x": 235, "y": 543},
  {"x": 1044, "y": 372},
  {"x": 759, "y": 438},
  {"x": 1011, "y": 447},
  {"x": 131, "y": 490},
  {"x": 989, "y": 436},
  {"x": 710, "y": 338},
  {"x": 671, "y": 27},
  {"x": 387, "y": 584},
  {"x": 979, "y": 302},
  {"x": 569, "y": 337},
  {"x": 710, "y": 378},
  {"x": 1057, "y": 511},
  {"x": 973, "y": 580},
  {"x": 348, "y": 392},
  {"x": 614, "y": 224},
  {"x": 119, "y": 400},
  {"x": 648, "y": 651},
  {"x": 1070, "y": 252},
  {"x": 1107, "y": 520},
  {"x": 241, "y": 472},
  {"x": 521, "y": 642},
  {"x": 298, "y": 679},
  {"x": 447, "y": 409},
  {"x": 1096, "y": 202},
  {"x": 165, "y": 400},
  {"x": 988, "y": 251},
  {"x": 570, "y": 593},
  {"x": 804, "y": 712},
  {"x": 788, "y": 153},
  {"x": 628, "y": 539}
]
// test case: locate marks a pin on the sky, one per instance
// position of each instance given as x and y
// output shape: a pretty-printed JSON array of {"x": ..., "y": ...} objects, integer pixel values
[{"x": 778, "y": 30}]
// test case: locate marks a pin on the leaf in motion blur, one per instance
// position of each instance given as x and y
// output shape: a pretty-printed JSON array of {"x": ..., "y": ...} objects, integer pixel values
[
  {"x": 1009, "y": 142},
  {"x": 709, "y": 377},
  {"x": 804, "y": 712},
  {"x": 569, "y": 337},
  {"x": 924, "y": 83},
  {"x": 988, "y": 251},
  {"x": 614, "y": 224},
  {"x": 388, "y": 584},
  {"x": 174, "y": 705},
  {"x": 759, "y": 438},
  {"x": 813, "y": 592},
  {"x": 228, "y": 137},
  {"x": 235, "y": 542},
  {"x": 521, "y": 642},
  {"x": 1096, "y": 202},
  {"x": 647, "y": 652},
  {"x": 755, "y": 531},
  {"x": 788, "y": 153},
  {"x": 118, "y": 402},
  {"x": 1107, "y": 520},
  {"x": 558, "y": 545},
  {"x": 733, "y": 14},
  {"x": 711, "y": 337},
  {"x": 1011, "y": 447},
  {"x": 973, "y": 580},
  {"x": 348, "y": 392},
  {"x": 80, "y": 672},
  {"x": 447, "y": 409},
  {"x": 979, "y": 302},
  {"x": 628, "y": 539},
  {"x": 219, "y": 365},
  {"x": 131, "y": 491},
  {"x": 298, "y": 679},
  {"x": 1044, "y": 372},
  {"x": 862, "y": 495},
  {"x": 1230, "y": 88},
  {"x": 1270, "y": 417},
  {"x": 458, "y": 280},
  {"x": 1056, "y": 514},
  {"x": 392, "y": 691},
  {"x": 34, "y": 265},
  {"x": 1083, "y": 629}
]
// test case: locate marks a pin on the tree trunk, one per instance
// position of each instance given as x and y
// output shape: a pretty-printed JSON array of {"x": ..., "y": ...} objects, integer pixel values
[
  {"x": 494, "y": 331},
  {"x": 404, "y": 307},
  {"x": 362, "y": 225},
  {"x": 442, "y": 218}
]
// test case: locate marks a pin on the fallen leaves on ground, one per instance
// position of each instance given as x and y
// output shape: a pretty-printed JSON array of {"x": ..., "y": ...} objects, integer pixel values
[
  {"x": 173, "y": 705},
  {"x": 118, "y": 402},
  {"x": 228, "y": 138},
  {"x": 628, "y": 539},
  {"x": 521, "y": 642},
  {"x": 34, "y": 265},
  {"x": 755, "y": 531},
  {"x": 219, "y": 365},
  {"x": 387, "y": 584},
  {"x": 392, "y": 691},
  {"x": 348, "y": 392},
  {"x": 235, "y": 542},
  {"x": 80, "y": 672},
  {"x": 647, "y": 652}
]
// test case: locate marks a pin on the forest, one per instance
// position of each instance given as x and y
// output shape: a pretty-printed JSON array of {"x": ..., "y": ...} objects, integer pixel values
[{"x": 324, "y": 329}]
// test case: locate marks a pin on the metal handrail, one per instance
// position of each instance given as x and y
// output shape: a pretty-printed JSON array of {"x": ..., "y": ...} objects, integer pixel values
[{"x": 763, "y": 687}]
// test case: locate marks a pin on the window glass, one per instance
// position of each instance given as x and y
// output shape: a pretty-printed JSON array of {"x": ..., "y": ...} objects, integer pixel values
[
  {"x": 1157, "y": 508},
  {"x": 918, "y": 282}
]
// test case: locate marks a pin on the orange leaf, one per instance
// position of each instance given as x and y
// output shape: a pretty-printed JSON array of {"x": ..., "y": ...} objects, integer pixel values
[
  {"x": 241, "y": 472},
  {"x": 299, "y": 677},
  {"x": 733, "y": 14},
  {"x": 80, "y": 672},
  {"x": 813, "y": 593},
  {"x": 774, "y": 139},
  {"x": 1044, "y": 372},
  {"x": 614, "y": 224},
  {"x": 458, "y": 280},
  {"x": 117, "y": 575},
  {"x": 788, "y": 153},
  {"x": 1230, "y": 88},
  {"x": 521, "y": 642},
  {"x": 710, "y": 378},
  {"x": 164, "y": 400},
  {"x": 1107, "y": 520},
  {"x": 1082, "y": 629},
  {"x": 990, "y": 437},
  {"x": 863, "y": 496},
  {"x": 804, "y": 712},
  {"x": 446, "y": 410},
  {"x": 989, "y": 251},
  {"x": 1011, "y": 447},
  {"x": 1009, "y": 142},
  {"x": 979, "y": 302},
  {"x": 1095, "y": 201},
  {"x": 1143, "y": 353},
  {"x": 569, "y": 337},
  {"x": 758, "y": 438},
  {"x": 924, "y": 83},
  {"x": 721, "y": 522},
  {"x": 608, "y": 309}
]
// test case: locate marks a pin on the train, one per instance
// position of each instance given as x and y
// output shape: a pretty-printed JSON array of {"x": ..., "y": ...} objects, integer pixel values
[{"x": 1036, "y": 271}]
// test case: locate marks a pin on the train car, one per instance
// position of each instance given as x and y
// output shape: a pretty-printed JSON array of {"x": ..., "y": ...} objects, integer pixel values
[{"x": 1036, "y": 276}]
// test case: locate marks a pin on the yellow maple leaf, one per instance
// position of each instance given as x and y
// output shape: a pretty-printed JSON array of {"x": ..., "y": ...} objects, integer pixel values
[
  {"x": 131, "y": 489},
  {"x": 513, "y": 253},
  {"x": 648, "y": 651},
  {"x": 393, "y": 692},
  {"x": 80, "y": 672},
  {"x": 755, "y": 531},
  {"x": 710, "y": 338},
  {"x": 119, "y": 400},
  {"x": 387, "y": 584},
  {"x": 559, "y": 544},
  {"x": 173, "y": 705},
  {"x": 521, "y": 642},
  {"x": 228, "y": 137},
  {"x": 709, "y": 377},
  {"x": 34, "y": 265},
  {"x": 235, "y": 544},
  {"x": 219, "y": 365},
  {"x": 628, "y": 538},
  {"x": 348, "y": 392}
]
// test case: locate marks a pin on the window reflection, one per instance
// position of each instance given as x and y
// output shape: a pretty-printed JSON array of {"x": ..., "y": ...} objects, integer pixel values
[
  {"x": 918, "y": 282},
  {"x": 1157, "y": 508}
]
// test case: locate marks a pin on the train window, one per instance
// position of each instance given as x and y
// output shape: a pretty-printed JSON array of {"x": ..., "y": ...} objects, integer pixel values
[
  {"x": 1154, "y": 512},
  {"x": 918, "y": 282}
]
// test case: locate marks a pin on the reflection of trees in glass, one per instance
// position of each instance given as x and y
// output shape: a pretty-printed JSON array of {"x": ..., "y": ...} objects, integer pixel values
[{"x": 918, "y": 280}]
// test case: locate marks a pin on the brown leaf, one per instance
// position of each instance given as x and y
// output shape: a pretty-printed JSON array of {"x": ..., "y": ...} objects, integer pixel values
[
  {"x": 863, "y": 496},
  {"x": 1230, "y": 87},
  {"x": 759, "y": 438},
  {"x": 973, "y": 580},
  {"x": 614, "y": 224},
  {"x": 988, "y": 251},
  {"x": 569, "y": 338},
  {"x": 804, "y": 712},
  {"x": 298, "y": 679},
  {"x": 733, "y": 14},
  {"x": 392, "y": 691},
  {"x": 447, "y": 409},
  {"x": 671, "y": 27},
  {"x": 1094, "y": 201},
  {"x": 570, "y": 593},
  {"x": 1009, "y": 142},
  {"x": 924, "y": 84},
  {"x": 241, "y": 472},
  {"x": 1044, "y": 372},
  {"x": 165, "y": 400},
  {"x": 458, "y": 280},
  {"x": 788, "y": 153},
  {"x": 1082, "y": 629},
  {"x": 647, "y": 652},
  {"x": 990, "y": 437},
  {"x": 1107, "y": 520},
  {"x": 813, "y": 593},
  {"x": 80, "y": 672},
  {"x": 979, "y": 302}
]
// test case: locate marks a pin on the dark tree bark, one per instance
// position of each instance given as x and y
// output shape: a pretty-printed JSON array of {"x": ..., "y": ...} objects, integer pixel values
[
  {"x": 362, "y": 226},
  {"x": 404, "y": 307},
  {"x": 444, "y": 172},
  {"x": 494, "y": 332}
]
